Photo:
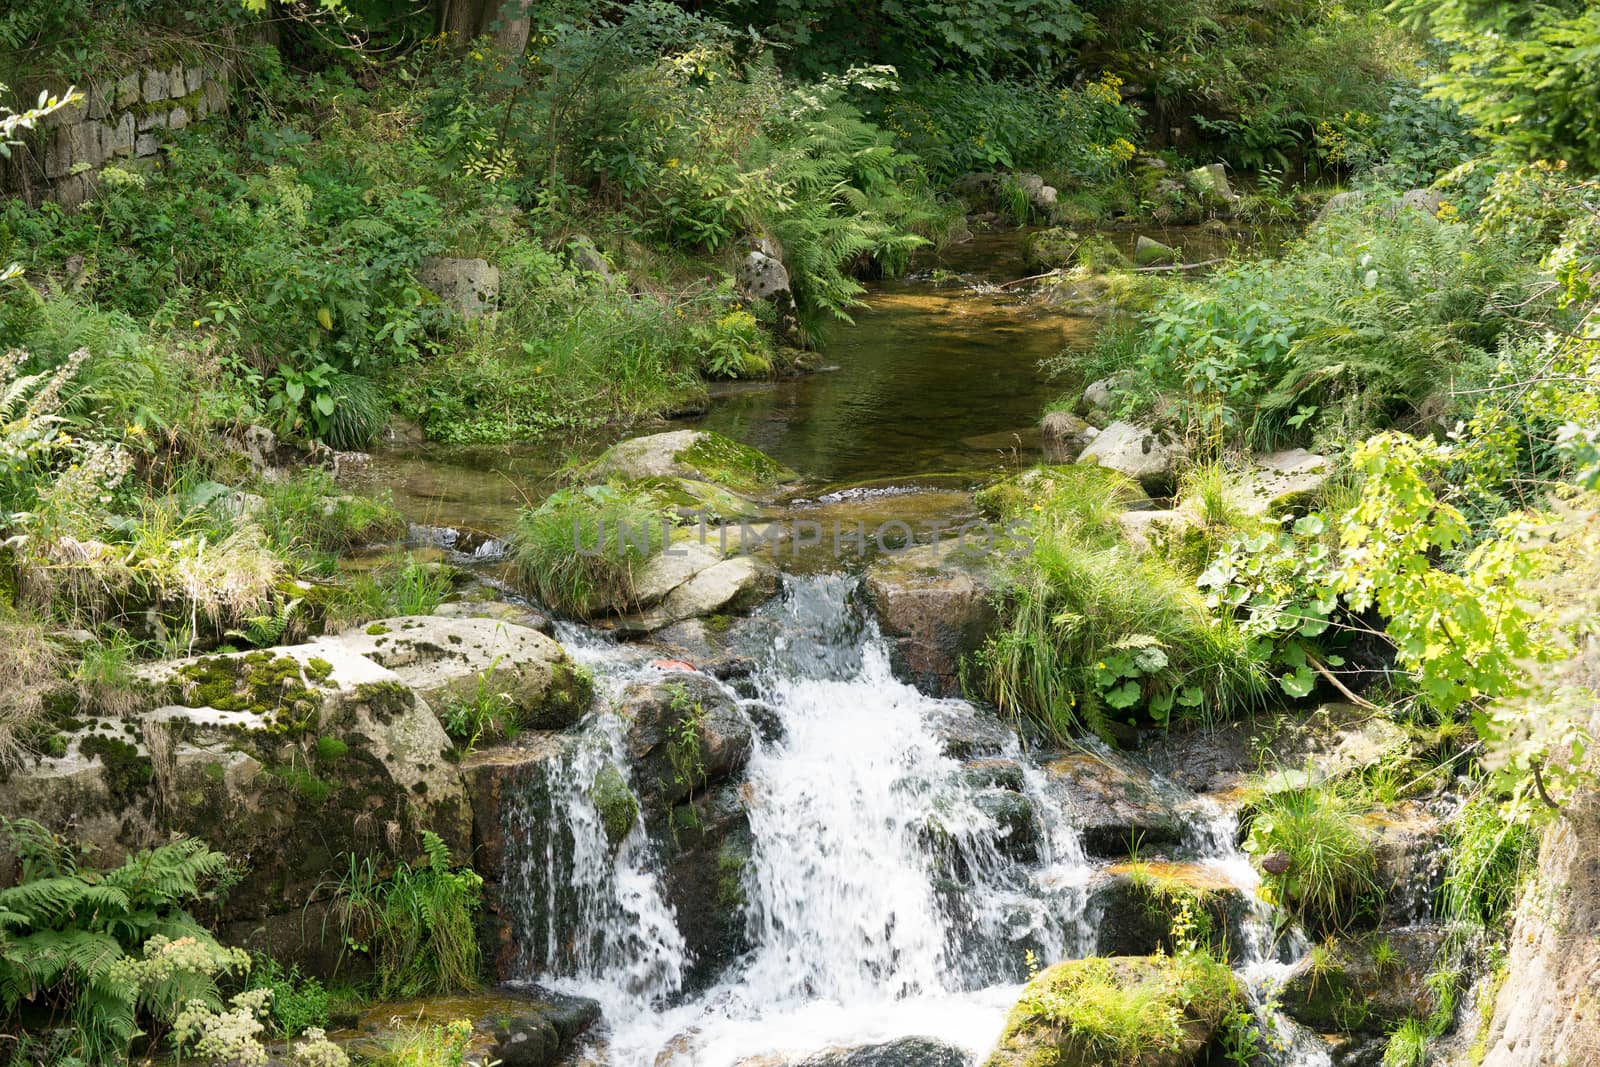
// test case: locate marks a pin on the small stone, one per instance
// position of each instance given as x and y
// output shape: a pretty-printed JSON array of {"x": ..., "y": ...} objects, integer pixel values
[
  {"x": 194, "y": 78},
  {"x": 145, "y": 144},
  {"x": 127, "y": 91},
  {"x": 153, "y": 88},
  {"x": 152, "y": 120},
  {"x": 178, "y": 118},
  {"x": 1147, "y": 251}
]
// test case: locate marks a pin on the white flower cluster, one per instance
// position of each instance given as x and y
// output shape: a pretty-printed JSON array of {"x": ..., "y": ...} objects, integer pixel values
[
  {"x": 228, "y": 1038},
  {"x": 317, "y": 1051}
]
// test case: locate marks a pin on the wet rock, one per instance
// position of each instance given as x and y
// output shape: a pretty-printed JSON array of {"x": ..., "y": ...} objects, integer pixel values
[
  {"x": 1150, "y": 457},
  {"x": 469, "y": 287},
  {"x": 693, "y": 581},
  {"x": 704, "y": 853},
  {"x": 937, "y": 605},
  {"x": 1411, "y": 857},
  {"x": 906, "y": 1052},
  {"x": 1148, "y": 252},
  {"x": 1029, "y": 1040},
  {"x": 1117, "y": 805},
  {"x": 698, "y": 455},
  {"x": 1211, "y": 759},
  {"x": 615, "y": 802},
  {"x": 1131, "y": 907},
  {"x": 995, "y": 774},
  {"x": 447, "y": 660},
  {"x": 540, "y": 1034},
  {"x": 684, "y": 733},
  {"x": 966, "y": 733},
  {"x": 1016, "y": 822},
  {"x": 1365, "y": 984}
]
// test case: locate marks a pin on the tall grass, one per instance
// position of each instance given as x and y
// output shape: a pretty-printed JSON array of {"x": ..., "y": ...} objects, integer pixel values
[
  {"x": 1315, "y": 834},
  {"x": 1094, "y": 634},
  {"x": 578, "y": 551},
  {"x": 418, "y": 924}
]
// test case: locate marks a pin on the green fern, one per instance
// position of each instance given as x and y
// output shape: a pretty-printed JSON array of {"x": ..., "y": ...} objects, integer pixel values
[{"x": 68, "y": 935}]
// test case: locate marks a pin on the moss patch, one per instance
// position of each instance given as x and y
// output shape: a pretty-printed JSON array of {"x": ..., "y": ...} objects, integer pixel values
[
  {"x": 726, "y": 462},
  {"x": 615, "y": 802},
  {"x": 258, "y": 682},
  {"x": 127, "y": 773}
]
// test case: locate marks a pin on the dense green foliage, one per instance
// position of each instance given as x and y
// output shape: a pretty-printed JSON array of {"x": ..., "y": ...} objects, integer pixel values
[{"x": 90, "y": 957}]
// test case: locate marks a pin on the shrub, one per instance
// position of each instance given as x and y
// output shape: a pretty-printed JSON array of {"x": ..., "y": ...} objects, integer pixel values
[
  {"x": 579, "y": 549},
  {"x": 1357, "y": 325},
  {"x": 298, "y": 1004},
  {"x": 308, "y": 515},
  {"x": 1490, "y": 852},
  {"x": 418, "y": 924},
  {"x": 397, "y": 586}
]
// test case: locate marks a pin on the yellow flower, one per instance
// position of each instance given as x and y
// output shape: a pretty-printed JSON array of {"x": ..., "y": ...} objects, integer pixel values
[
  {"x": 197, "y": 324},
  {"x": 672, "y": 163}
]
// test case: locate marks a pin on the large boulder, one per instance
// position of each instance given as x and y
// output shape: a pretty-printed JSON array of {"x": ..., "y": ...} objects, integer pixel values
[
  {"x": 698, "y": 455},
  {"x": 457, "y": 659},
  {"x": 510, "y": 1027},
  {"x": 937, "y": 604},
  {"x": 290, "y": 760},
  {"x": 762, "y": 276},
  {"x": 1060, "y": 1018},
  {"x": 1132, "y": 907},
  {"x": 1150, "y": 457},
  {"x": 704, "y": 851}
]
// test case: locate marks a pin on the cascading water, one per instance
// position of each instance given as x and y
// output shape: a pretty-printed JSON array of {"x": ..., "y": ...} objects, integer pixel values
[
  {"x": 1266, "y": 950},
  {"x": 892, "y": 890}
]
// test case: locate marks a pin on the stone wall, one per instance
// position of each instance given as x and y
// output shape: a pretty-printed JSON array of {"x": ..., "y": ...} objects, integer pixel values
[{"x": 119, "y": 118}]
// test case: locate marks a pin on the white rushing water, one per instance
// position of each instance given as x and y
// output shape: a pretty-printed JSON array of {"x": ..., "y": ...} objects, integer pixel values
[{"x": 886, "y": 894}]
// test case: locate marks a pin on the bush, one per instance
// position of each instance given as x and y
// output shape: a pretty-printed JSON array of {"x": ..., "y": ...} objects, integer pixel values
[
  {"x": 418, "y": 924},
  {"x": 298, "y": 1003},
  {"x": 1490, "y": 852},
  {"x": 577, "y": 551},
  {"x": 1356, "y": 326},
  {"x": 1094, "y": 636}
]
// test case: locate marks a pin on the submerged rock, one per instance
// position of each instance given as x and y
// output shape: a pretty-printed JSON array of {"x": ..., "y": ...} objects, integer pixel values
[
  {"x": 1150, "y": 457},
  {"x": 937, "y": 605},
  {"x": 906, "y": 1052}
]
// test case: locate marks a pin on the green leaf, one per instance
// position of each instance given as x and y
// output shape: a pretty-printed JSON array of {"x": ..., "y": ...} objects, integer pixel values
[{"x": 1298, "y": 684}]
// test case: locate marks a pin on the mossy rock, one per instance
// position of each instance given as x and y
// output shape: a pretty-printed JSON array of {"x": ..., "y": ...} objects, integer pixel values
[
  {"x": 1016, "y": 495},
  {"x": 690, "y": 500},
  {"x": 1133, "y": 1011},
  {"x": 1053, "y": 248},
  {"x": 697, "y": 455},
  {"x": 1365, "y": 984},
  {"x": 615, "y": 802}
]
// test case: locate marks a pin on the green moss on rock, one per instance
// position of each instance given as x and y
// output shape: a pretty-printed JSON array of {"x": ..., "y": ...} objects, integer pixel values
[
  {"x": 724, "y": 461},
  {"x": 615, "y": 802},
  {"x": 127, "y": 773},
  {"x": 1131, "y": 1011}
]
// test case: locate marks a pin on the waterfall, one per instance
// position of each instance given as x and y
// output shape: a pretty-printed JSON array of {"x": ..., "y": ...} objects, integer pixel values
[{"x": 892, "y": 889}]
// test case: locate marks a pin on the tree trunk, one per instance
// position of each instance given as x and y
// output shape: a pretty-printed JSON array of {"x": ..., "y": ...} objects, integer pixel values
[{"x": 507, "y": 22}]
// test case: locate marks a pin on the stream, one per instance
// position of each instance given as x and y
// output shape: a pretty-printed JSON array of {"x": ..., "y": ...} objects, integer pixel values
[{"x": 889, "y": 891}]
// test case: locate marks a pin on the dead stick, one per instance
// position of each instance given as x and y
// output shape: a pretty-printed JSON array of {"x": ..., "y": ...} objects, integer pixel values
[{"x": 1360, "y": 702}]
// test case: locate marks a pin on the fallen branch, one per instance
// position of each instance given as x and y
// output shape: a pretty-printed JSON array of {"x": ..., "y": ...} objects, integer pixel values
[
  {"x": 1358, "y": 701},
  {"x": 1182, "y": 266}
]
